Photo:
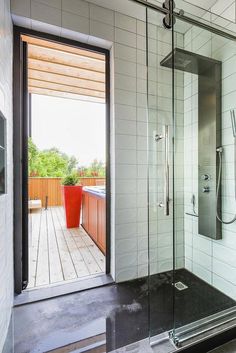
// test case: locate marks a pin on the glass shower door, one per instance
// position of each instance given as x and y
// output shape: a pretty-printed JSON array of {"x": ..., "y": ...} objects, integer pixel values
[
  {"x": 160, "y": 181},
  {"x": 204, "y": 183},
  {"x": 191, "y": 162}
]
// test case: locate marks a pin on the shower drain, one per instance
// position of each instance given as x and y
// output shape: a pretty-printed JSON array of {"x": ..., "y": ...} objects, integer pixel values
[{"x": 180, "y": 286}]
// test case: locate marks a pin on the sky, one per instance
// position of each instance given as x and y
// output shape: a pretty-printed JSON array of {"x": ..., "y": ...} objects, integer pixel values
[{"x": 75, "y": 127}]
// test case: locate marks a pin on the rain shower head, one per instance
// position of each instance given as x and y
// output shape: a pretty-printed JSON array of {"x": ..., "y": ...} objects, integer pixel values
[{"x": 188, "y": 62}]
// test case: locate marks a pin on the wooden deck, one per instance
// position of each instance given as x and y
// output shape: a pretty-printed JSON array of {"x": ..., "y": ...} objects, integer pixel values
[{"x": 58, "y": 254}]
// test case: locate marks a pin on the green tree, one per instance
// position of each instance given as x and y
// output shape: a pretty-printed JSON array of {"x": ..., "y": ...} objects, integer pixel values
[
  {"x": 72, "y": 164},
  {"x": 33, "y": 153},
  {"x": 96, "y": 169},
  {"x": 49, "y": 163}
]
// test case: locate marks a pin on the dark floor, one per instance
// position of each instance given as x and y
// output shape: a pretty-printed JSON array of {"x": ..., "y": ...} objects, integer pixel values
[
  {"x": 121, "y": 311},
  {"x": 229, "y": 347}
]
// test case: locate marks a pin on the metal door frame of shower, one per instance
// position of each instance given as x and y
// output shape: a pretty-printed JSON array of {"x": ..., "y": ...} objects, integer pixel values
[{"x": 187, "y": 19}]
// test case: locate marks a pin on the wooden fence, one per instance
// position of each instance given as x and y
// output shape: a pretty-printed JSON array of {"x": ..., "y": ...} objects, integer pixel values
[{"x": 50, "y": 189}]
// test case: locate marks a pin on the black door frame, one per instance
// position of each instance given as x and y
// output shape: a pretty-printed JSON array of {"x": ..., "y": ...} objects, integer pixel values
[{"x": 20, "y": 150}]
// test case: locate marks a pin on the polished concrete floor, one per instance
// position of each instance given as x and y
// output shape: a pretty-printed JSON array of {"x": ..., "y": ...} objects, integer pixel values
[
  {"x": 118, "y": 312},
  {"x": 229, "y": 347}
]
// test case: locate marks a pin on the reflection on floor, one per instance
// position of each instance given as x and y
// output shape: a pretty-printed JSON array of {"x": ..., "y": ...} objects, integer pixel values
[
  {"x": 229, "y": 347},
  {"x": 118, "y": 311},
  {"x": 59, "y": 254}
]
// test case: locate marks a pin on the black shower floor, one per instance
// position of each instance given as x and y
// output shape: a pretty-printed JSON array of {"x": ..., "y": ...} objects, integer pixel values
[{"x": 121, "y": 311}]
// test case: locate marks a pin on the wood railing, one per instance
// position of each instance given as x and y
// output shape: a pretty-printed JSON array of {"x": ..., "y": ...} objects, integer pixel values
[{"x": 50, "y": 189}]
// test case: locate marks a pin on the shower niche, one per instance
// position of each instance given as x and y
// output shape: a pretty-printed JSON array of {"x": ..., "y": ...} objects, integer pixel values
[
  {"x": 2, "y": 154},
  {"x": 209, "y": 73}
]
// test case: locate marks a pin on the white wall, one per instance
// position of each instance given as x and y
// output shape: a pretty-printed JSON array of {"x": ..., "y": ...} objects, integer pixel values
[
  {"x": 6, "y": 201},
  {"x": 212, "y": 260}
]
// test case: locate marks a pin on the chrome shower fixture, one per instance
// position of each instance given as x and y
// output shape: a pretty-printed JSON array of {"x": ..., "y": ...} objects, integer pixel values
[
  {"x": 193, "y": 202},
  {"x": 220, "y": 151},
  {"x": 233, "y": 121}
]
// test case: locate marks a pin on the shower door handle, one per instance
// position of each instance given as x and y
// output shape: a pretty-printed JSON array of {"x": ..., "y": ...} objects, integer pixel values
[
  {"x": 166, "y": 203},
  {"x": 167, "y": 172}
]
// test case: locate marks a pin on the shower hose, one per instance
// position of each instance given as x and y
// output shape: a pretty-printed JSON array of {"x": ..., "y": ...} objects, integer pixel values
[{"x": 220, "y": 151}]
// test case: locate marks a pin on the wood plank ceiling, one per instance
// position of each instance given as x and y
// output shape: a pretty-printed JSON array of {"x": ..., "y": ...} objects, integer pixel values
[{"x": 63, "y": 71}]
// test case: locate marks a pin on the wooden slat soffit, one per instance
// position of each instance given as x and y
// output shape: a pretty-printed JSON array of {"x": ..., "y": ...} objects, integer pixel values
[{"x": 63, "y": 71}]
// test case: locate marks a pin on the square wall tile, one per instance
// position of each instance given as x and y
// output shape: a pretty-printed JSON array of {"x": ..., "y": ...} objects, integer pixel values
[
  {"x": 76, "y": 7},
  {"x": 44, "y": 13},
  {"x": 75, "y": 22},
  {"x": 102, "y": 14}
]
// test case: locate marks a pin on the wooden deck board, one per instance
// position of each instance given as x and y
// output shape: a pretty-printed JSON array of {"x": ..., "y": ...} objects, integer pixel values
[
  {"x": 55, "y": 266},
  {"x": 34, "y": 231},
  {"x": 78, "y": 262},
  {"x": 42, "y": 268},
  {"x": 58, "y": 254}
]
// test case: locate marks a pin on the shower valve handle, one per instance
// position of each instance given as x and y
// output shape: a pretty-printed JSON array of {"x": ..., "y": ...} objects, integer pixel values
[
  {"x": 159, "y": 137},
  {"x": 205, "y": 177}
]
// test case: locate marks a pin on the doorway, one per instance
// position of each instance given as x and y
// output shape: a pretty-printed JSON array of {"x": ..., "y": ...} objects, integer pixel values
[{"x": 65, "y": 195}]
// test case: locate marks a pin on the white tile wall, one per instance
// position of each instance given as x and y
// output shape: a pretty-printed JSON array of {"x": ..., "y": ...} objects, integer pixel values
[{"x": 6, "y": 201}]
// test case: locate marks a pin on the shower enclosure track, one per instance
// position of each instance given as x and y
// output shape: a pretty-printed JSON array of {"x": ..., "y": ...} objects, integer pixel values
[
  {"x": 187, "y": 19},
  {"x": 203, "y": 327}
]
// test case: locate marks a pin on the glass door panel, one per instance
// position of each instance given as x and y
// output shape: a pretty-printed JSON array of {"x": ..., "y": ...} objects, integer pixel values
[
  {"x": 204, "y": 182},
  {"x": 160, "y": 184},
  {"x": 192, "y": 177}
]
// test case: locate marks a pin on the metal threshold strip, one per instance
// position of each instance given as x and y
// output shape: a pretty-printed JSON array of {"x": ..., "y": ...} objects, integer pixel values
[
  {"x": 185, "y": 336},
  {"x": 204, "y": 327},
  {"x": 187, "y": 19}
]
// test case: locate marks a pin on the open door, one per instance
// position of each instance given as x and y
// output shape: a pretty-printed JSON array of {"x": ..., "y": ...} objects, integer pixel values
[
  {"x": 54, "y": 80},
  {"x": 25, "y": 134},
  {"x": 21, "y": 117}
]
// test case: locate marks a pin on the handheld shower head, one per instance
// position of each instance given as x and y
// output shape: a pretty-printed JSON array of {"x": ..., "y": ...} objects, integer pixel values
[
  {"x": 219, "y": 150},
  {"x": 233, "y": 122}
]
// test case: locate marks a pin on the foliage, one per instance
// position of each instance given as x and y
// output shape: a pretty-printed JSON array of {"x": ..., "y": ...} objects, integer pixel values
[
  {"x": 32, "y": 156},
  {"x": 53, "y": 163},
  {"x": 49, "y": 163},
  {"x": 70, "y": 180},
  {"x": 96, "y": 169}
]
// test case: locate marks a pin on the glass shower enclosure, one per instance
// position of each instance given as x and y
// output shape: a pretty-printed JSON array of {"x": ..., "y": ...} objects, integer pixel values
[{"x": 191, "y": 91}]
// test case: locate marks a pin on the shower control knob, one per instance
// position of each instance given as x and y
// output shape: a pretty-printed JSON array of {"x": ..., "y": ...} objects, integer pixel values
[
  {"x": 206, "y": 189},
  {"x": 205, "y": 177}
]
